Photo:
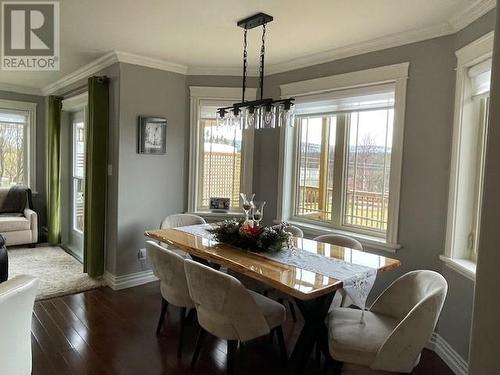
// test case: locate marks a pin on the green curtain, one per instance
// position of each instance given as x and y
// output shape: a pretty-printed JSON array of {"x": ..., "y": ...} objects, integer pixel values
[
  {"x": 54, "y": 169},
  {"x": 95, "y": 176}
]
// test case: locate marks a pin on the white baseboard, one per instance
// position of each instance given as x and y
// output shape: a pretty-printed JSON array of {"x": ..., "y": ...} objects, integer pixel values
[
  {"x": 130, "y": 280},
  {"x": 454, "y": 361}
]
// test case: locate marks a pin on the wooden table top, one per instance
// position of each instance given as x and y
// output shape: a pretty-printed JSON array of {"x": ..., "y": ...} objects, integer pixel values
[{"x": 292, "y": 280}]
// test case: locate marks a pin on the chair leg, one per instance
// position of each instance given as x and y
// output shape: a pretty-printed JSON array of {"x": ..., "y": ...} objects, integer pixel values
[
  {"x": 281, "y": 342},
  {"x": 337, "y": 367},
  {"x": 292, "y": 311},
  {"x": 232, "y": 345},
  {"x": 164, "y": 305},
  {"x": 182, "y": 324},
  {"x": 199, "y": 343},
  {"x": 318, "y": 355}
]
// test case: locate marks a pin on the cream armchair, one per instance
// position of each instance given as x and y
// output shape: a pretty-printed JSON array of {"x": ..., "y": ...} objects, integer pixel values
[
  {"x": 17, "y": 296},
  {"x": 395, "y": 329}
]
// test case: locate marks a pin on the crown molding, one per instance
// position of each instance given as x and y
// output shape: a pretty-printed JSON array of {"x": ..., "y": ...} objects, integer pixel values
[
  {"x": 454, "y": 24},
  {"x": 82, "y": 73},
  {"x": 20, "y": 89},
  {"x": 389, "y": 41},
  {"x": 465, "y": 17},
  {"x": 150, "y": 62}
]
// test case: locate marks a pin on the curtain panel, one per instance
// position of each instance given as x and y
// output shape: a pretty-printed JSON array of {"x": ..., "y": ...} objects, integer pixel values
[
  {"x": 54, "y": 169},
  {"x": 96, "y": 176}
]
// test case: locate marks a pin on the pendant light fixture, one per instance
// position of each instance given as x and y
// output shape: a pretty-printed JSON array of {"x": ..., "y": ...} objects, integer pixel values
[{"x": 262, "y": 113}]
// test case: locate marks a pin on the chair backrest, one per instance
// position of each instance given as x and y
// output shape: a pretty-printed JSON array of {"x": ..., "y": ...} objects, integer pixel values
[
  {"x": 416, "y": 299},
  {"x": 181, "y": 220},
  {"x": 225, "y": 307},
  {"x": 169, "y": 268},
  {"x": 339, "y": 240},
  {"x": 294, "y": 231},
  {"x": 17, "y": 296}
]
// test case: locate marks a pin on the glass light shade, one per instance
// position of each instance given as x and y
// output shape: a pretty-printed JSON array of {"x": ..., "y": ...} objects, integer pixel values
[
  {"x": 268, "y": 117},
  {"x": 236, "y": 118},
  {"x": 250, "y": 119},
  {"x": 287, "y": 116},
  {"x": 221, "y": 121}
]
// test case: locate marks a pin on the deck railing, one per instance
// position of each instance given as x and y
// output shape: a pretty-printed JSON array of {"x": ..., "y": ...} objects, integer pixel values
[{"x": 362, "y": 208}]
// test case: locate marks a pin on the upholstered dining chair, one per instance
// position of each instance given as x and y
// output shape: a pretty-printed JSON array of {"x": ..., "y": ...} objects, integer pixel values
[
  {"x": 339, "y": 240},
  {"x": 396, "y": 327},
  {"x": 227, "y": 310},
  {"x": 294, "y": 231},
  {"x": 176, "y": 221},
  {"x": 17, "y": 296},
  {"x": 168, "y": 267},
  {"x": 340, "y": 298}
]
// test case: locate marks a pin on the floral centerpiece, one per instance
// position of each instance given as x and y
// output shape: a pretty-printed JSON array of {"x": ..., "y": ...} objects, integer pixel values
[{"x": 243, "y": 234}]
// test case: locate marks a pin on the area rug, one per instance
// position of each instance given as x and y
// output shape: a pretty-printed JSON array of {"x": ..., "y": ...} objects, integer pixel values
[{"x": 59, "y": 273}]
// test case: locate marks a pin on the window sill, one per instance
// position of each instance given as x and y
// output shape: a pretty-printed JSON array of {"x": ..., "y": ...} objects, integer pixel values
[
  {"x": 465, "y": 267},
  {"x": 369, "y": 242}
]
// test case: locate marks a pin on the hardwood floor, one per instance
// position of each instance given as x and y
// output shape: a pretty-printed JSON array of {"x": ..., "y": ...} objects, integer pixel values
[{"x": 106, "y": 332}]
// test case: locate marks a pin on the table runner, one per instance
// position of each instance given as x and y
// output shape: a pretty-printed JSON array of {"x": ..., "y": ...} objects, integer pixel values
[{"x": 357, "y": 280}]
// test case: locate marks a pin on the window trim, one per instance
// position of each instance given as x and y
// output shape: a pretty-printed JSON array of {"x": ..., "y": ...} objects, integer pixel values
[
  {"x": 198, "y": 94},
  {"x": 29, "y": 107},
  {"x": 396, "y": 74},
  {"x": 468, "y": 56}
]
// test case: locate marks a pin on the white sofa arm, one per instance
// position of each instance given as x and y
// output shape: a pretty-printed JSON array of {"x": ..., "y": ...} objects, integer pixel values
[{"x": 33, "y": 219}]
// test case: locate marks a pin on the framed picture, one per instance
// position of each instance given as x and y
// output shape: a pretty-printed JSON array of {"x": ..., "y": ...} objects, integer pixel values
[
  {"x": 152, "y": 135},
  {"x": 219, "y": 204}
]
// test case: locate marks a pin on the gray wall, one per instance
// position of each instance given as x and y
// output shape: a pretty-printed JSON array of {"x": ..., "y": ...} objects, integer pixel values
[
  {"x": 426, "y": 161},
  {"x": 150, "y": 187},
  {"x": 39, "y": 190}
]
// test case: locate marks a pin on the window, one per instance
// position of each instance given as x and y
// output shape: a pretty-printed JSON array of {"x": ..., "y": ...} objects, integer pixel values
[
  {"x": 221, "y": 157},
  {"x": 342, "y": 160},
  {"x": 468, "y": 155},
  {"x": 17, "y": 128}
]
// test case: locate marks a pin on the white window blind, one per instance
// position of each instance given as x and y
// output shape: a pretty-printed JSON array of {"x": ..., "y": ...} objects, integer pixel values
[
  {"x": 371, "y": 97},
  {"x": 480, "y": 76}
]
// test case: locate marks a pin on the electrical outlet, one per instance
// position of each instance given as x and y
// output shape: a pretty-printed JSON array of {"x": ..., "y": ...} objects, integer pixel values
[{"x": 141, "y": 254}]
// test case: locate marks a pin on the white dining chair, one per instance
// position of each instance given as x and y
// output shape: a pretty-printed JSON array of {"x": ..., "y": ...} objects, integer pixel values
[
  {"x": 339, "y": 240},
  {"x": 168, "y": 267},
  {"x": 340, "y": 298},
  {"x": 396, "y": 327},
  {"x": 17, "y": 297},
  {"x": 176, "y": 221},
  {"x": 227, "y": 310},
  {"x": 294, "y": 231}
]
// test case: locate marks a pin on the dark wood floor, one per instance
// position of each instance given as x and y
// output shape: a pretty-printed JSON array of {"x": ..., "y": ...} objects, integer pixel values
[{"x": 106, "y": 332}]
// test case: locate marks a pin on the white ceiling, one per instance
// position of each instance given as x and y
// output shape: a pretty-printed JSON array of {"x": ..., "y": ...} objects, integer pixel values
[{"x": 202, "y": 34}]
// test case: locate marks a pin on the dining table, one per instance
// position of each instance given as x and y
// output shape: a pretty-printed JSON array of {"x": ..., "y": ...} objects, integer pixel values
[{"x": 311, "y": 290}]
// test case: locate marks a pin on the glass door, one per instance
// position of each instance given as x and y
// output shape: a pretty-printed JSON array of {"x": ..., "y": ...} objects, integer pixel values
[{"x": 78, "y": 182}]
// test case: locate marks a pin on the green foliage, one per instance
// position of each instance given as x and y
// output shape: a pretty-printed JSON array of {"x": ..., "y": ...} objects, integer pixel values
[{"x": 258, "y": 239}]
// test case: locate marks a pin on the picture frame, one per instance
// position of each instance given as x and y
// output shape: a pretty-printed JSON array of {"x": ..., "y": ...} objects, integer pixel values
[
  {"x": 152, "y": 135},
  {"x": 219, "y": 204}
]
